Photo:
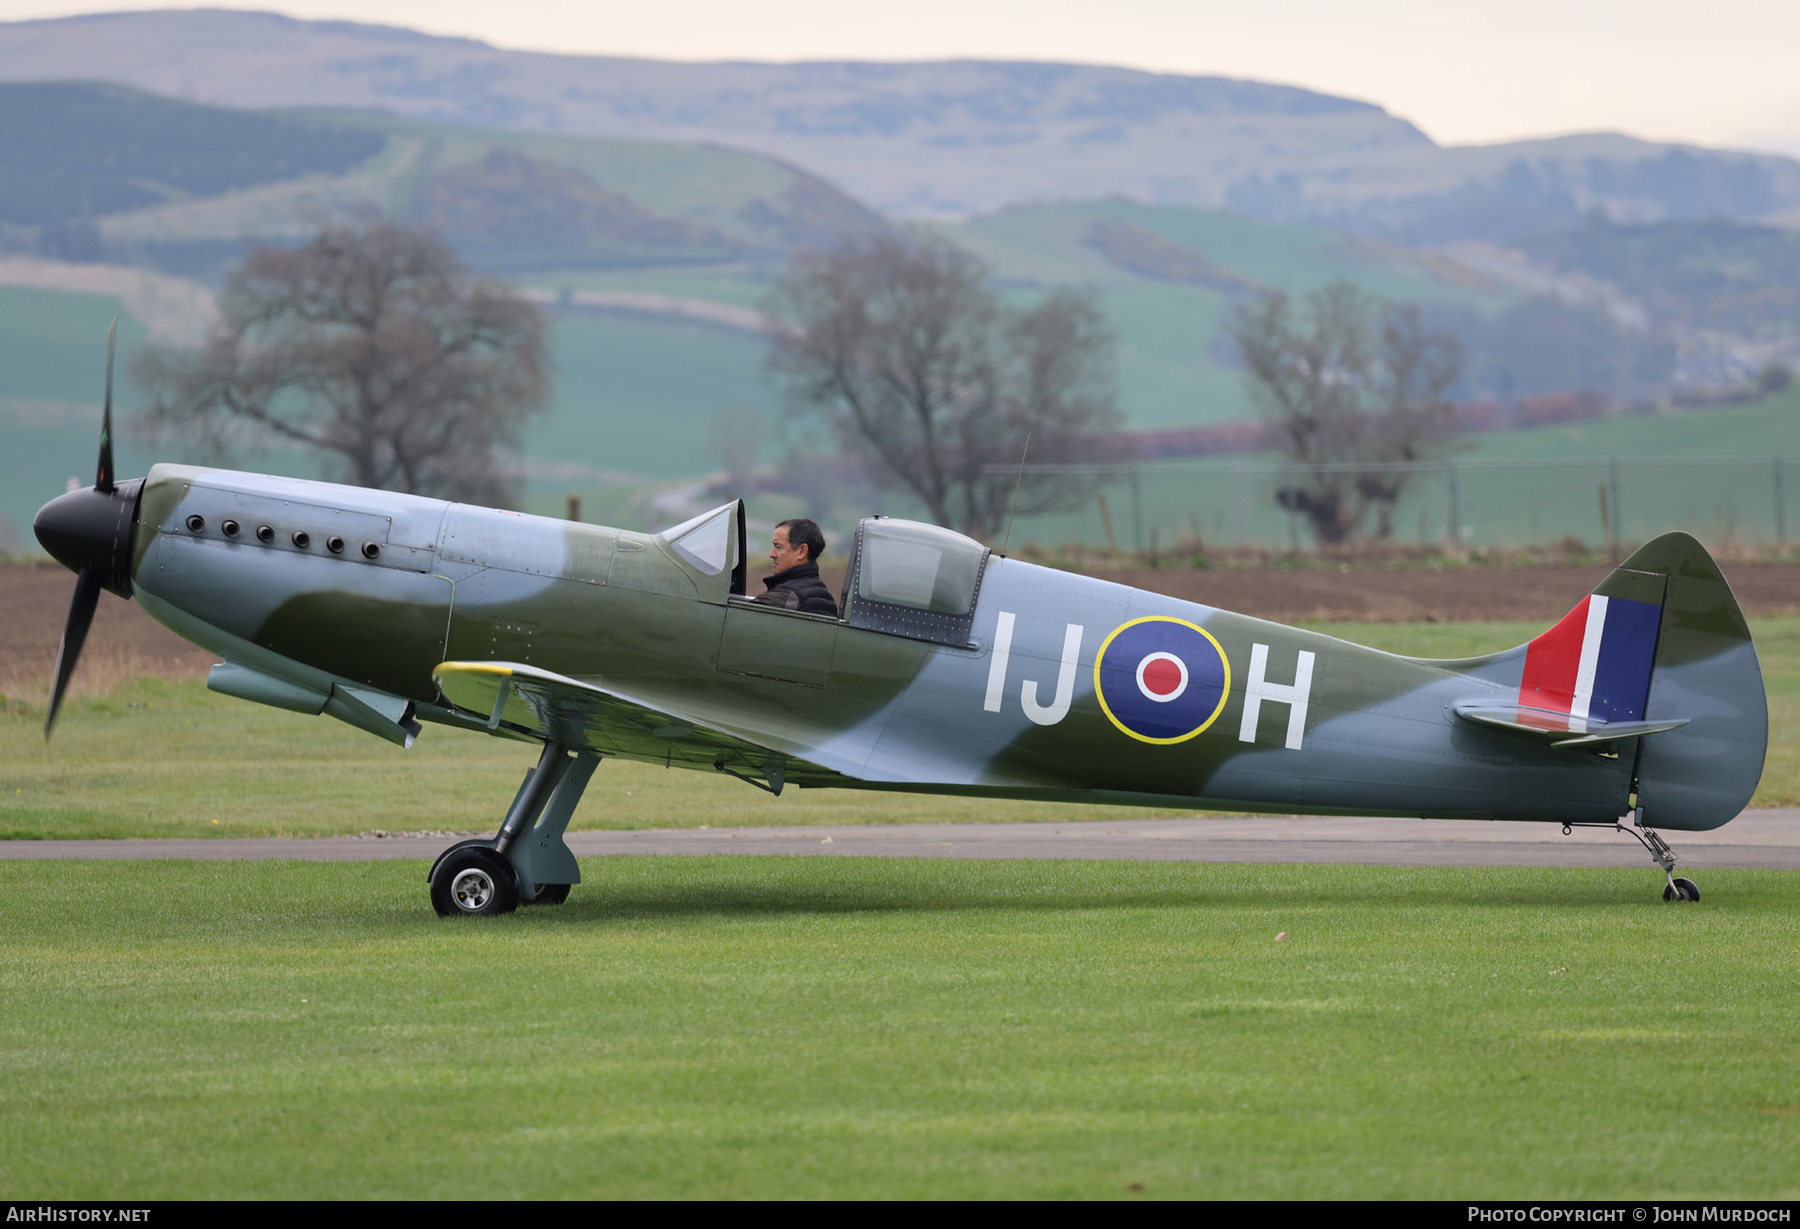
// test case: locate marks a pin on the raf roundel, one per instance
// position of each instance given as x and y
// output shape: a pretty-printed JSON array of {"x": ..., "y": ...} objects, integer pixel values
[
  {"x": 1161, "y": 680},
  {"x": 1162, "y": 677}
]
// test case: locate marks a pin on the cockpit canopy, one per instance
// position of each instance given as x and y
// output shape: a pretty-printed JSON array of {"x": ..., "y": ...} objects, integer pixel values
[
  {"x": 915, "y": 580},
  {"x": 905, "y": 578}
]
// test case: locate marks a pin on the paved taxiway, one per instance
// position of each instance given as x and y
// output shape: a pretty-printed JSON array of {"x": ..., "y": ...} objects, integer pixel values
[{"x": 1767, "y": 838}]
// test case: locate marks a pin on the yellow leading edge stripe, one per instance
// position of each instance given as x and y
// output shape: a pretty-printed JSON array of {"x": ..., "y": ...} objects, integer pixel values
[
  {"x": 470, "y": 667},
  {"x": 1224, "y": 689}
]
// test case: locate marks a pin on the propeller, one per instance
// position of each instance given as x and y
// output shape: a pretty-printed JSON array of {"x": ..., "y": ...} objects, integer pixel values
[
  {"x": 81, "y": 617},
  {"x": 89, "y": 532},
  {"x": 103, "y": 472}
]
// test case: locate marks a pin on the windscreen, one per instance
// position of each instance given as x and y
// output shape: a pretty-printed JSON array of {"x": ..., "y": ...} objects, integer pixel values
[{"x": 704, "y": 541}]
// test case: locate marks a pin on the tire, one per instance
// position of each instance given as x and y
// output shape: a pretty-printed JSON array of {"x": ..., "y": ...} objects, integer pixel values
[
  {"x": 551, "y": 894},
  {"x": 1689, "y": 889},
  {"x": 474, "y": 882}
]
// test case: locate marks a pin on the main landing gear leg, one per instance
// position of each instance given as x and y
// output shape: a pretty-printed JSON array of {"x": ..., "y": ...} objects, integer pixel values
[
  {"x": 526, "y": 861},
  {"x": 1677, "y": 888}
]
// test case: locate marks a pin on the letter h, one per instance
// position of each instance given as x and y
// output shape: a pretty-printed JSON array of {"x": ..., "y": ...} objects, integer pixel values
[{"x": 1258, "y": 688}]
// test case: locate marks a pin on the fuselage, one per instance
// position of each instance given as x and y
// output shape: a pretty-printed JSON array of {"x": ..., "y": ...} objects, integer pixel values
[{"x": 1064, "y": 686}]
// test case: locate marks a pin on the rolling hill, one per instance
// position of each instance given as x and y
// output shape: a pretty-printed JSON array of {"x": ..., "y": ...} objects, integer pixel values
[
  {"x": 75, "y": 151},
  {"x": 1168, "y": 278},
  {"x": 937, "y": 139},
  {"x": 117, "y": 174},
  {"x": 1711, "y": 275}
]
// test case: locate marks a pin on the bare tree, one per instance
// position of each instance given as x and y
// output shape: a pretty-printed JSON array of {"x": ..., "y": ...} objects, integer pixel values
[
  {"x": 1353, "y": 389},
  {"x": 737, "y": 435},
  {"x": 372, "y": 344},
  {"x": 897, "y": 342},
  {"x": 1412, "y": 377}
]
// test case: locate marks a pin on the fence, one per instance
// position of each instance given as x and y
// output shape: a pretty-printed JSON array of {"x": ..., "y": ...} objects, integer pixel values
[{"x": 1724, "y": 501}]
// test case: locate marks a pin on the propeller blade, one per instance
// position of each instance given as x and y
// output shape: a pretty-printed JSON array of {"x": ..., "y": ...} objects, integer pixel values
[
  {"x": 103, "y": 480},
  {"x": 81, "y": 615}
]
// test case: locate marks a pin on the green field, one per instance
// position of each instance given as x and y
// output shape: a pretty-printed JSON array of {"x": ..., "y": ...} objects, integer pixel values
[
  {"x": 640, "y": 398},
  {"x": 52, "y": 385},
  {"x": 1046, "y": 243},
  {"x": 161, "y": 759},
  {"x": 637, "y": 400},
  {"x": 634, "y": 402},
  {"x": 1709, "y": 472},
  {"x": 881, "y": 1028},
  {"x": 52, "y": 379},
  {"x": 1759, "y": 430}
]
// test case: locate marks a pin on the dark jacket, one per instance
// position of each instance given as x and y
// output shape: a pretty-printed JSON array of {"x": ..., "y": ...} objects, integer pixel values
[{"x": 799, "y": 588}]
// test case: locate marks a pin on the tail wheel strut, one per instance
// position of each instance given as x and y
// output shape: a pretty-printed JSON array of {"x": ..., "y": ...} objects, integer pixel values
[{"x": 1676, "y": 888}]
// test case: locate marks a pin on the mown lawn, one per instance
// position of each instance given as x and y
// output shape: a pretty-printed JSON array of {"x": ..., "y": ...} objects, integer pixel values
[{"x": 774, "y": 1027}]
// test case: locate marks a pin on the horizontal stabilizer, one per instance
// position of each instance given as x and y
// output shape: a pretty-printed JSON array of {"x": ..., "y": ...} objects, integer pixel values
[{"x": 1560, "y": 729}]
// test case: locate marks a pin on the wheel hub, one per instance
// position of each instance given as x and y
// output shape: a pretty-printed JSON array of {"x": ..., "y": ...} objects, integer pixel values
[{"x": 472, "y": 890}]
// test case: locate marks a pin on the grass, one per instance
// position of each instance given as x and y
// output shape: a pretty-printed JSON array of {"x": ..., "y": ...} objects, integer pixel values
[
  {"x": 52, "y": 379},
  {"x": 171, "y": 759},
  {"x": 869, "y": 1028},
  {"x": 1709, "y": 472},
  {"x": 1771, "y": 425},
  {"x": 643, "y": 398}
]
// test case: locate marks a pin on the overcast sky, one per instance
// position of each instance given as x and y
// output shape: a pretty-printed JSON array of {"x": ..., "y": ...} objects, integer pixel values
[{"x": 1718, "y": 73}]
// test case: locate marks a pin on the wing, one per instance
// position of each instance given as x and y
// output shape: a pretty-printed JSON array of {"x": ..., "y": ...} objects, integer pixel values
[{"x": 590, "y": 718}]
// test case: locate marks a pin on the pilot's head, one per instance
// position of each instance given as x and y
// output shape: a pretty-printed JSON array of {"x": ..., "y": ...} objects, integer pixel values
[{"x": 797, "y": 541}]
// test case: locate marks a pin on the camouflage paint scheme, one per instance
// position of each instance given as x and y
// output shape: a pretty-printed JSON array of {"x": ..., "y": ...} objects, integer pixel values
[{"x": 604, "y": 642}]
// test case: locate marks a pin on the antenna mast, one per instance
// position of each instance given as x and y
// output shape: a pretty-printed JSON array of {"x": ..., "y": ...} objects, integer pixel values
[{"x": 1018, "y": 482}]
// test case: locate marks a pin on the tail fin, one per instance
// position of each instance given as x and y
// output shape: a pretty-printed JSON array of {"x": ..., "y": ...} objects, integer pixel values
[
  {"x": 1657, "y": 664},
  {"x": 1705, "y": 672}
]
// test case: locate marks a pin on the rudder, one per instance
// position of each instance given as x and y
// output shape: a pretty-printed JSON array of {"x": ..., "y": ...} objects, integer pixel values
[{"x": 1704, "y": 671}]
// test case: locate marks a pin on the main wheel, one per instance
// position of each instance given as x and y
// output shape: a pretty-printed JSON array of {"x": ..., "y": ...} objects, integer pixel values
[
  {"x": 551, "y": 894},
  {"x": 1682, "y": 889},
  {"x": 474, "y": 882}
]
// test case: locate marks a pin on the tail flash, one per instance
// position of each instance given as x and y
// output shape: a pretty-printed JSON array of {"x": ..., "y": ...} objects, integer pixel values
[{"x": 1595, "y": 664}]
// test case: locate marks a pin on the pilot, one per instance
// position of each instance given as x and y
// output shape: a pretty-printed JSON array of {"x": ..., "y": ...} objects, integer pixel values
[{"x": 796, "y": 585}]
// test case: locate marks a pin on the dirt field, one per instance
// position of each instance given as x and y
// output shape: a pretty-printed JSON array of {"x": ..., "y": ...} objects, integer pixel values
[{"x": 124, "y": 642}]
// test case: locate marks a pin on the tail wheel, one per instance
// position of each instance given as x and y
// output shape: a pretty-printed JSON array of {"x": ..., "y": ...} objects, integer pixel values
[
  {"x": 1681, "y": 889},
  {"x": 474, "y": 882}
]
